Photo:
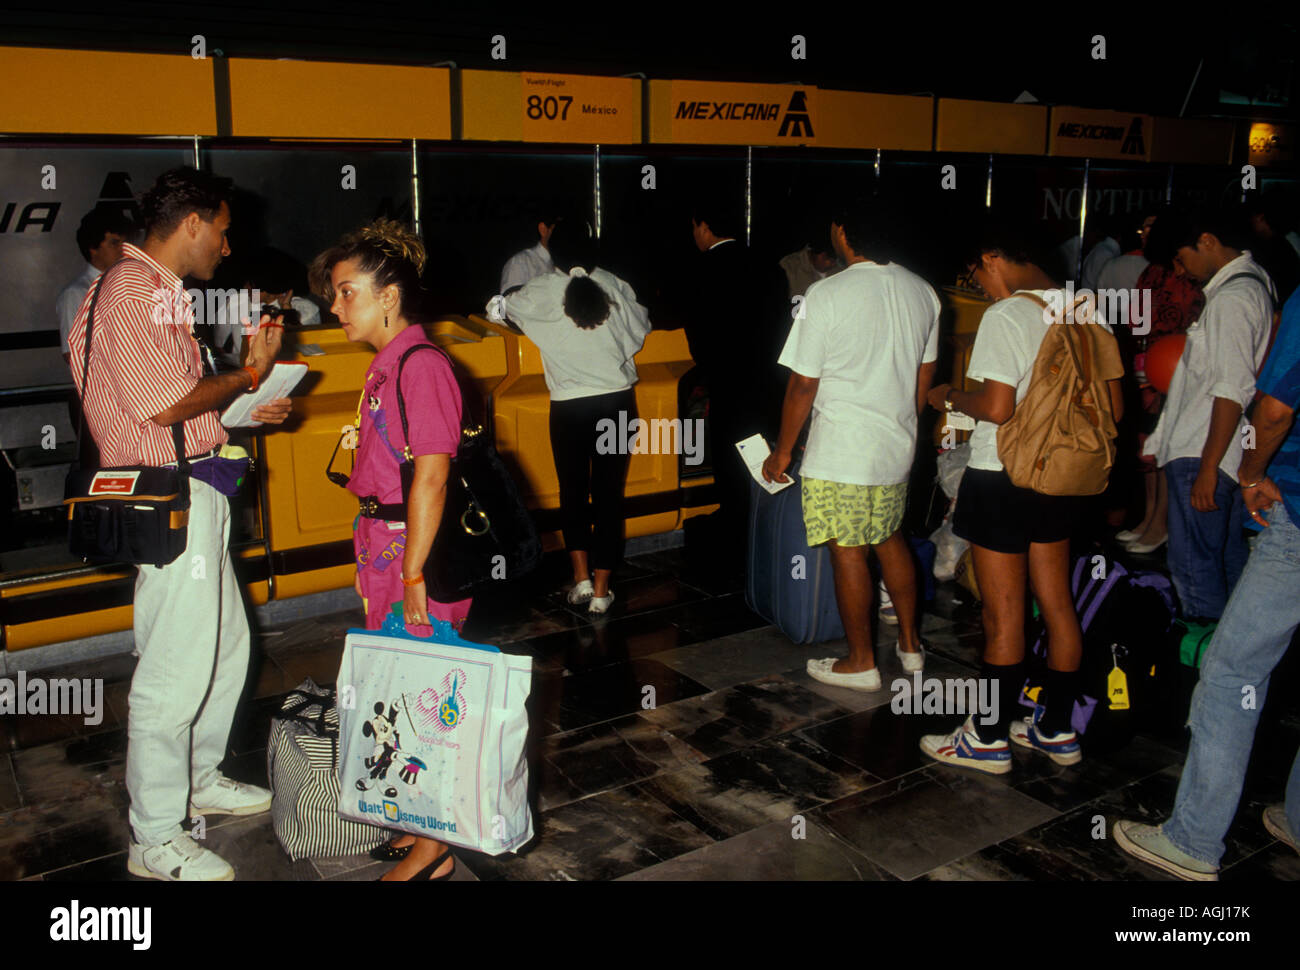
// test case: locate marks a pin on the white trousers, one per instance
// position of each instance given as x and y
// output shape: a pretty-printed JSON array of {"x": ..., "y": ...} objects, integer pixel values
[{"x": 191, "y": 633}]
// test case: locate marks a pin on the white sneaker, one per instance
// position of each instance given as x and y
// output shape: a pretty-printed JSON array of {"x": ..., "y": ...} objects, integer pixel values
[
  {"x": 600, "y": 604},
  {"x": 180, "y": 860},
  {"x": 230, "y": 797},
  {"x": 581, "y": 592},
  {"x": 888, "y": 614},
  {"x": 911, "y": 662}
]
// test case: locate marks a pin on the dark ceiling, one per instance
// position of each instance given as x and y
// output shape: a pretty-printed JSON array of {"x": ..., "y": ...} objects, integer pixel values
[{"x": 986, "y": 52}]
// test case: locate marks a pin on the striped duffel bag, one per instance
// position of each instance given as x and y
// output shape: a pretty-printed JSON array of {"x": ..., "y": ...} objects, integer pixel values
[{"x": 302, "y": 762}]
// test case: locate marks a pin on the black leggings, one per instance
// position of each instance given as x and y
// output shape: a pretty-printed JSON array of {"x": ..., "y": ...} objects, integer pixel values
[{"x": 582, "y": 469}]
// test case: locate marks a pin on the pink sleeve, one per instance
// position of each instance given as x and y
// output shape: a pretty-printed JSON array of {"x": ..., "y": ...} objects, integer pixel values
[{"x": 432, "y": 404}]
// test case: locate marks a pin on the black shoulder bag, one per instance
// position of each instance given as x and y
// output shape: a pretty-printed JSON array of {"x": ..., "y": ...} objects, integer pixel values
[
  {"x": 486, "y": 534},
  {"x": 138, "y": 514}
]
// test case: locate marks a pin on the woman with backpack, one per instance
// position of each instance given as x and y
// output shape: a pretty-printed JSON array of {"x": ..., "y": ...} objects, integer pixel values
[{"x": 1021, "y": 535}]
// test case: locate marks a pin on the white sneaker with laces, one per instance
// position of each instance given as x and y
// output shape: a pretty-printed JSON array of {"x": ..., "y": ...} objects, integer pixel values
[
  {"x": 600, "y": 604},
  {"x": 180, "y": 860},
  {"x": 230, "y": 797},
  {"x": 581, "y": 592}
]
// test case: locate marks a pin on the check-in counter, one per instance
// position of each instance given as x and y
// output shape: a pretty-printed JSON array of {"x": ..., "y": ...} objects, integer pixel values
[{"x": 965, "y": 308}]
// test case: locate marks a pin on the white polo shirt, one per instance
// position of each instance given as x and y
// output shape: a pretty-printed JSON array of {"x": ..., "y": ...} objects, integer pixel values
[
  {"x": 525, "y": 265},
  {"x": 863, "y": 334},
  {"x": 1223, "y": 354}
]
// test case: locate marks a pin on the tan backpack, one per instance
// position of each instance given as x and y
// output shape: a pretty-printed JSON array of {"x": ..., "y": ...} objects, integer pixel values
[{"x": 1061, "y": 438}]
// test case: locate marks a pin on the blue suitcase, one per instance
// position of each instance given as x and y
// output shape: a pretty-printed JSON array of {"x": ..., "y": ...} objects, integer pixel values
[
  {"x": 788, "y": 584},
  {"x": 791, "y": 585}
]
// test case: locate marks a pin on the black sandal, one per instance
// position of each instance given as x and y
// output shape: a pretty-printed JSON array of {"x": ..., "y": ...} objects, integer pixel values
[
  {"x": 427, "y": 872},
  {"x": 391, "y": 853}
]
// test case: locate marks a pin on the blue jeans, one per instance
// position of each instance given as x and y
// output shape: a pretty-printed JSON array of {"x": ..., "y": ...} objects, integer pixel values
[
  {"x": 1251, "y": 639},
  {"x": 1207, "y": 550}
]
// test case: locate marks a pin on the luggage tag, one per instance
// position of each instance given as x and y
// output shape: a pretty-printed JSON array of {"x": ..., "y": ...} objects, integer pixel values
[
  {"x": 1116, "y": 683},
  {"x": 956, "y": 421}
]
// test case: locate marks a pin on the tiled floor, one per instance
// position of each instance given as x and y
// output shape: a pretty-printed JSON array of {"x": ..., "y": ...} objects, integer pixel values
[{"x": 744, "y": 768}]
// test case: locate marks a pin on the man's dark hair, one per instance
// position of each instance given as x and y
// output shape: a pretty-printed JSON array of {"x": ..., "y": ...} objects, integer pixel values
[
  {"x": 723, "y": 220},
  {"x": 868, "y": 227},
  {"x": 98, "y": 223},
  {"x": 1227, "y": 223},
  {"x": 572, "y": 245},
  {"x": 1272, "y": 206},
  {"x": 1159, "y": 247},
  {"x": 177, "y": 193},
  {"x": 273, "y": 271},
  {"x": 1013, "y": 240},
  {"x": 817, "y": 234}
]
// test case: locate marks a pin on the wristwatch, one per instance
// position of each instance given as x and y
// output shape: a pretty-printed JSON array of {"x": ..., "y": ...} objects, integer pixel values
[{"x": 947, "y": 400}]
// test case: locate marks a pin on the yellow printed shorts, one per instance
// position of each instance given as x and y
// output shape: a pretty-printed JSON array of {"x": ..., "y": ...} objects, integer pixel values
[{"x": 852, "y": 515}]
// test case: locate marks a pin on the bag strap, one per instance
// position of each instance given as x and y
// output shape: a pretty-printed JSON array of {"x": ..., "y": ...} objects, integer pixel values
[
  {"x": 1247, "y": 274},
  {"x": 178, "y": 429},
  {"x": 465, "y": 427}
]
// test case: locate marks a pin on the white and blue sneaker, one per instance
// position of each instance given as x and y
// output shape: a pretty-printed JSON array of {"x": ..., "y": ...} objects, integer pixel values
[
  {"x": 964, "y": 748},
  {"x": 1062, "y": 748}
]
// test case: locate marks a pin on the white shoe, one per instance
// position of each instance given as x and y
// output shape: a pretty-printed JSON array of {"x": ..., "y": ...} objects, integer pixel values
[
  {"x": 888, "y": 614},
  {"x": 1128, "y": 535},
  {"x": 912, "y": 662},
  {"x": 864, "y": 680},
  {"x": 600, "y": 604},
  {"x": 1145, "y": 548},
  {"x": 180, "y": 860},
  {"x": 581, "y": 592},
  {"x": 230, "y": 797}
]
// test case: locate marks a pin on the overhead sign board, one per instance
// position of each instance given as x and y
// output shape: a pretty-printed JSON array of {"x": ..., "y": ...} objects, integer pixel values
[
  {"x": 321, "y": 99},
  {"x": 1272, "y": 143},
  {"x": 989, "y": 126},
  {"x": 556, "y": 108},
  {"x": 725, "y": 113},
  {"x": 78, "y": 92},
  {"x": 1093, "y": 133}
]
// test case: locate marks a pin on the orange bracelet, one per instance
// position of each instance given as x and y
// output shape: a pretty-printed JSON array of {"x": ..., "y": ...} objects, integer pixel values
[
  {"x": 252, "y": 372},
  {"x": 408, "y": 583}
]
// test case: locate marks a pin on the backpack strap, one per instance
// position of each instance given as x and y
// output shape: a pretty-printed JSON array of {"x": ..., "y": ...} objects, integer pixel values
[
  {"x": 1247, "y": 274},
  {"x": 1080, "y": 353}
]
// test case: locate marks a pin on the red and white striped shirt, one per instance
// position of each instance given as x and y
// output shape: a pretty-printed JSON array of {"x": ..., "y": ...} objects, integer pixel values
[{"x": 143, "y": 359}]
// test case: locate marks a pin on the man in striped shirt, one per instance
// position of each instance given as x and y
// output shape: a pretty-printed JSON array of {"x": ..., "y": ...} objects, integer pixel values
[{"x": 191, "y": 633}]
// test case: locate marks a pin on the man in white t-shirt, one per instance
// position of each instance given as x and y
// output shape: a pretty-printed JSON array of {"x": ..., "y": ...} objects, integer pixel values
[
  {"x": 530, "y": 263},
  {"x": 862, "y": 356}
]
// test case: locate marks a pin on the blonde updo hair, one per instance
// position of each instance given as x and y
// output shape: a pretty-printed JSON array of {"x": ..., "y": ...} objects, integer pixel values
[{"x": 387, "y": 251}]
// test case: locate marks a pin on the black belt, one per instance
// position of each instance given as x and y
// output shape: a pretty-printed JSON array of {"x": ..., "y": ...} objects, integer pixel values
[{"x": 371, "y": 508}]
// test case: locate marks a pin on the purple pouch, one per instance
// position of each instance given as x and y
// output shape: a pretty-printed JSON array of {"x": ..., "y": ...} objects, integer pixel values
[{"x": 226, "y": 475}]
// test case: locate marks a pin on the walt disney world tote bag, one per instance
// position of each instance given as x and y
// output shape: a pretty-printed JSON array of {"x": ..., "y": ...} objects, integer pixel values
[{"x": 431, "y": 737}]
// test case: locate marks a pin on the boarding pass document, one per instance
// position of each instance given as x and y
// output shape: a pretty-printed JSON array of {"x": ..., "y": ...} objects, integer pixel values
[
  {"x": 754, "y": 451},
  {"x": 284, "y": 377}
]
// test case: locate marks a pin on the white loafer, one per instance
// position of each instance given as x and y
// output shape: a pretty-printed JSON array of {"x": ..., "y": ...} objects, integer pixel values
[
  {"x": 912, "y": 662},
  {"x": 865, "y": 680}
]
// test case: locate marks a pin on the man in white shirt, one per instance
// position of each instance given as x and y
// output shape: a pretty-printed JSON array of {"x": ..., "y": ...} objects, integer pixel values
[
  {"x": 532, "y": 262},
  {"x": 99, "y": 237},
  {"x": 1101, "y": 254},
  {"x": 1199, "y": 438},
  {"x": 815, "y": 261},
  {"x": 862, "y": 355}
]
